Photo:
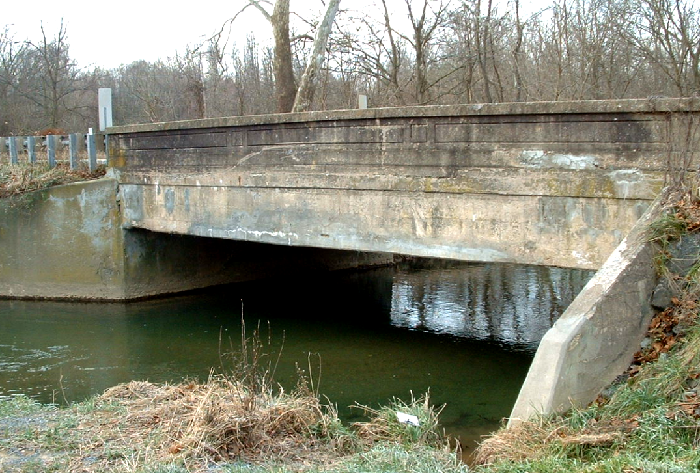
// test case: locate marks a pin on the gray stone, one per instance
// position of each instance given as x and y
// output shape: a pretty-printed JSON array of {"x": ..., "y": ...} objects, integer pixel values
[
  {"x": 662, "y": 295},
  {"x": 684, "y": 254}
]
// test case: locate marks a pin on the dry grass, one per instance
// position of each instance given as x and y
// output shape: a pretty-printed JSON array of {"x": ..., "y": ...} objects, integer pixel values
[
  {"x": 216, "y": 421},
  {"x": 217, "y": 426},
  {"x": 21, "y": 178},
  {"x": 239, "y": 422},
  {"x": 514, "y": 444},
  {"x": 535, "y": 439}
]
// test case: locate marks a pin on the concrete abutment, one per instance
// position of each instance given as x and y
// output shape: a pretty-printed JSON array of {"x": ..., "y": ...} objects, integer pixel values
[{"x": 67, "y": 242}]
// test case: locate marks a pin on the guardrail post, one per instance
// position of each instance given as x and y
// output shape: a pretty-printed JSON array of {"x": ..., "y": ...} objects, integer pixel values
[
  {"x": 3, "y": 146},
  {"x": 14, "y": 159},
  {"x": 31, "y": 149},
  {"x": 73, "y": 148},
  {"x": 51, "y": 150},
  {"x": 92, "y": 152},
  {"x": 107, "y": 150}
]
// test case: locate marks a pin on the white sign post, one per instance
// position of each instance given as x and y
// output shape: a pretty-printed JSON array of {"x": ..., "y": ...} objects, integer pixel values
[{"x": 104, "y": 102}]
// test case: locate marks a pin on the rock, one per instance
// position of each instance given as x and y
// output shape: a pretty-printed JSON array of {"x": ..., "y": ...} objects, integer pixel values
[
  {"x": 684, "y": 254},
  {"x": 662, "y": 295}
]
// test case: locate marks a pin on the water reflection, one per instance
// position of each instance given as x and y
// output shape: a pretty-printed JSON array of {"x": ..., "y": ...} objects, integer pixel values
[{"x": 510, "y": 304}]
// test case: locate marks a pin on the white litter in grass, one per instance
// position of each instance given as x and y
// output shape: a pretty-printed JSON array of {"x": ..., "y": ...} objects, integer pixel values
[{"x": 407, "y": 419}]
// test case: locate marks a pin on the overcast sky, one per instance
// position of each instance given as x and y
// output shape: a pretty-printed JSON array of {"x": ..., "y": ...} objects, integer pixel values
[{"x": 109, "y": 34}]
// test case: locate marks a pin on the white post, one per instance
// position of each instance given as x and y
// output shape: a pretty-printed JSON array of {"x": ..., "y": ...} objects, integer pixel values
[
  {"x": 104, "y": 102},
  {"x": 362, "y": 102}
]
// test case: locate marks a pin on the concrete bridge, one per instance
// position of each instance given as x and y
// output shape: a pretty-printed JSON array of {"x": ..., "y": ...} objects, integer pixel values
[
  {"x": 535, "y": 183},
  {"x": 556, "y": 183}
]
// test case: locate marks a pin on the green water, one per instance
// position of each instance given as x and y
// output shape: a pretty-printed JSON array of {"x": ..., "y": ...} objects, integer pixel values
[{"x": 466, "y": 332}]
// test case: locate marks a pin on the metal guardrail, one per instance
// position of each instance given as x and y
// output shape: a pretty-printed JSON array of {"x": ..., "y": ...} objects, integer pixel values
[{"x": 80, "y": 147}]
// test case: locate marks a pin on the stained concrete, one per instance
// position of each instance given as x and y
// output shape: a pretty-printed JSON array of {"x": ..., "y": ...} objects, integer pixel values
[
  {"x": 556, "y": 183},
  {"x": 67, "y": 242}
]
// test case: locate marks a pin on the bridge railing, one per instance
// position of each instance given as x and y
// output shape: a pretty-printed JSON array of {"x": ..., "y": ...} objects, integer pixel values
[{"x": 75, "y": 149}]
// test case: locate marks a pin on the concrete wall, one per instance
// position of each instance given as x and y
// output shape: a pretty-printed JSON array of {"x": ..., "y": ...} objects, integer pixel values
[
  {"x": 67, "y": 242},
  {"x": 595, "y": 339},
  {"x": 556, "y": 183},
  {"x": 64, "y": 241}
]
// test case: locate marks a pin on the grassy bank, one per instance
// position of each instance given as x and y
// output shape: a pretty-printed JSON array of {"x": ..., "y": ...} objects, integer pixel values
[
  {"x": 20, "y": 178},
  {"x": 648, "y": 421},
  {"x": 217, "y": 426}
]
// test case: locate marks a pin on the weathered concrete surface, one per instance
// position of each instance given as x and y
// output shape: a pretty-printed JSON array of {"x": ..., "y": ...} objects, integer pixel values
[
  {"x": 596, "y": 337},
  {"x": 62, "y": 241},
  {"x": 529, "y": 230},
  {"x": 555, "y": 183},
  {"x": 67, "y": 242}
]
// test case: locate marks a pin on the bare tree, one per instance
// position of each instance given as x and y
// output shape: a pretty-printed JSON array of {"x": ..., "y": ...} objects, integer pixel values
[
  {"x": 12, "y": 59},
  {"x": 668, "y": 34},
  {"x": 58, "y": 75},
  {"x": 288, "y": 96},
  {"x": 307, "y": 85}
]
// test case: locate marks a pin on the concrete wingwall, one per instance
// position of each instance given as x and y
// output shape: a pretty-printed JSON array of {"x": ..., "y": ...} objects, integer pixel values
[
  {"x": 62, "y": 241},
  {"x": 67, "y": 242},
  {"x": 556, "y": 183},
  {"x": 595, "y": 339}
]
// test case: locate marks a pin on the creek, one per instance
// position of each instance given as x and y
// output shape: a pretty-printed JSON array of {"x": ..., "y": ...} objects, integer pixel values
[{"x": 464, "y": 332}]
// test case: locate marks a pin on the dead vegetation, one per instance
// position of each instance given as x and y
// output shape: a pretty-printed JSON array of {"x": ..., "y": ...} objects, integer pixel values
[
  {"x": 242, "y": 418},
  {"x": 140, "y": 426},
  {"x": 216, "y": 422},
  {"x": 21, "y": 178}
]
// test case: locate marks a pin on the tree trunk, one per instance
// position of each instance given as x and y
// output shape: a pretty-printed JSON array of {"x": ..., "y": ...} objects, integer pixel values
[
  {"x": 307, "y": 87},
  {"x": 285, "y": 86}
]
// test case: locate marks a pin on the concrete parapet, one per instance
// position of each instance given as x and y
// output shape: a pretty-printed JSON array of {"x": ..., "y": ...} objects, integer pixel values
[
  {"x": 548, "y": 183},
  {"x": 655, "y": 105},
  {"x": 596, "y": 337}
]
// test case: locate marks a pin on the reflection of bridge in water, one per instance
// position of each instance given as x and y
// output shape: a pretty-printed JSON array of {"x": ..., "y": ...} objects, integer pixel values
[{"x": 506, "y": 303}]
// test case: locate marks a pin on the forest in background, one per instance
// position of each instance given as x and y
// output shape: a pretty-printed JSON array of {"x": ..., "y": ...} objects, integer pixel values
[{"x": 402, "y": 53}]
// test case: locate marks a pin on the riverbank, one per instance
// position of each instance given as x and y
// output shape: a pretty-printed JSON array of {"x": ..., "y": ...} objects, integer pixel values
[
  {"x": 223, "y": 426},
  {"x": 649, "y": 419}
]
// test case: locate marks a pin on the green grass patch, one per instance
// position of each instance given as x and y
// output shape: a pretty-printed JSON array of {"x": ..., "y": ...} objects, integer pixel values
[{"x": 21, "y": 405}]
